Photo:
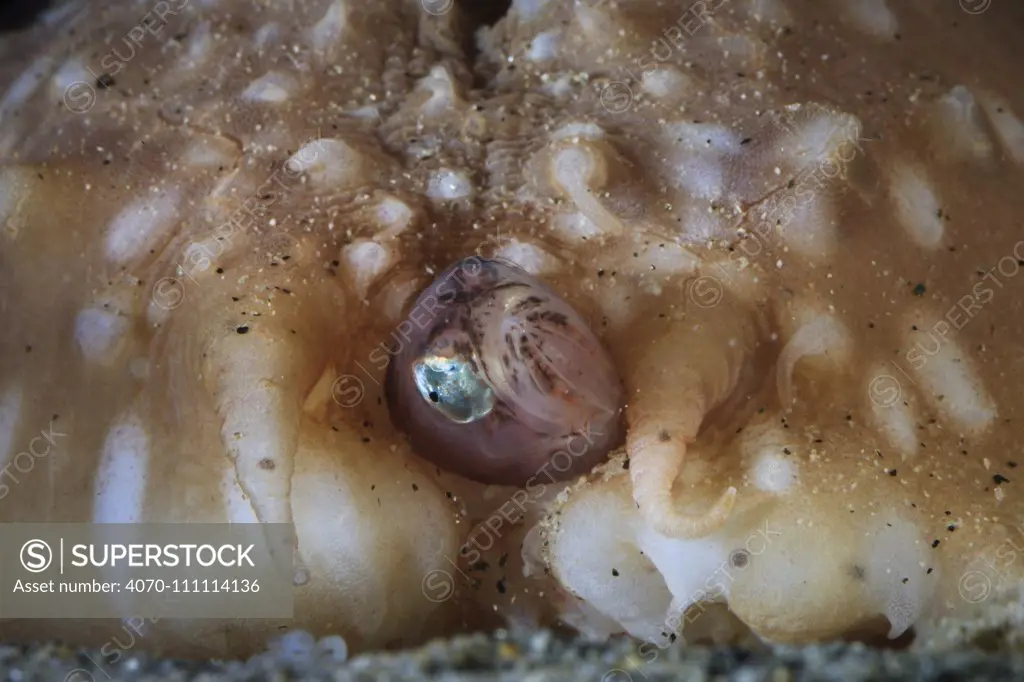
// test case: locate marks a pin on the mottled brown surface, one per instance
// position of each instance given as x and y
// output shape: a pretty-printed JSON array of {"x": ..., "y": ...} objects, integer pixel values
[{"x": 768, "y": 187}]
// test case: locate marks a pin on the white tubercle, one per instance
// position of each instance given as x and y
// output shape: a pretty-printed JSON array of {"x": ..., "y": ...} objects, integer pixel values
[
  {"x": 823, "y": 336},
  {"x": 331, "y": 164},
  {"x": 10, "y": 418},
  {"x": 958, "y": 129},
  {"x": 917, "y": 206},
  {"x": 528, "y": 10},
  {"x": 122, "y": 475},
  {"x": 530, "y": 257},
  {"x": 575, "y": 226},
  {"x": 889, "y": 394},
  {"x": 72, "y": 72},
  {"x": 267, "y": 35},
  {"x": 211, "y": 153},
  {"x": 774, "y": 472},
  {"x": 395, "y": 217},
  {"x": 397, "y": 296},
  {"x": 873, "y": 17},
  {"x": 141, "y": 226},
  {"x": 14, "y": 192},
  {"x": 668, "y": 83},
  {"x": 809, "y": 227},
  {"x": 544, "y": 47},
  {"x": 444, "y": 93},
  {"x": 25, "y": 85},
  {"x": 894, "y": 580},
  {"x": 1008, "y": 126},
  {"x": 772, "y": 456},
  {"x": 448, "y": 185},
  {"x": 332, "y": 26},
  {"x": 696, "y": 155},
  {"x": 200, "y": 44},
  {"x": 367, "y": 261},
  {"x": 687, "y": 565},
  {"x": 596, "y": 23},
  {"x": 581, "y": 171},
  {"x": 99, "y": 334},
  {"x": 578, "y": 130},
  {"x": 271, "y": 87},
  {"x": 948, "y": 380},
  {"x": 771, "y": 11}
]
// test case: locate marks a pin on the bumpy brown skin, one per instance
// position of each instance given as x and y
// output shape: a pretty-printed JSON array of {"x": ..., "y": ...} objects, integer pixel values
[{"x": 191, "y": 360}]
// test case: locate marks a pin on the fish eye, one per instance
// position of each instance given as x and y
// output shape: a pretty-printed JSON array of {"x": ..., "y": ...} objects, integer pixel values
[
  {"x": 452, "y": 387},
  {"x": 500, "y": 375}
]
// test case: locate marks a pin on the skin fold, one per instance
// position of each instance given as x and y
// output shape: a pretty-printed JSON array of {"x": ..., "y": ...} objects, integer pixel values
[{"x": 788, "y": 232}]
